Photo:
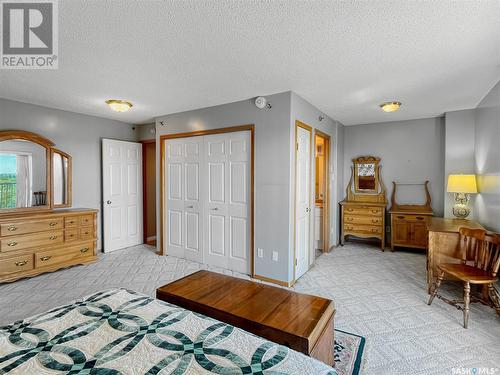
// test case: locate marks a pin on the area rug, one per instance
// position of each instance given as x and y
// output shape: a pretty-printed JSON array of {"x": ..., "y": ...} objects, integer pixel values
[{"x": 348, "y": 353}]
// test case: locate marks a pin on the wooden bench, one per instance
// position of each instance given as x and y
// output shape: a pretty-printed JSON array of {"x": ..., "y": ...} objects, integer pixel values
[{"x": 300, "y": 321}]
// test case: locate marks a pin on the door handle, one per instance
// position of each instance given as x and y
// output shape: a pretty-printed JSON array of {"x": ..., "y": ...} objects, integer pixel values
[
  {"x": 108, "y": 202},
  {"x": 308, "y": 209},
  {"x": 215, "y": 209},
  {"x": 190, "y": 207}
]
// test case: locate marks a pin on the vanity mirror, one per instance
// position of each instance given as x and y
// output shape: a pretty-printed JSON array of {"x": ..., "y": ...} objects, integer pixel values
[{"x": 33, "y": 174}]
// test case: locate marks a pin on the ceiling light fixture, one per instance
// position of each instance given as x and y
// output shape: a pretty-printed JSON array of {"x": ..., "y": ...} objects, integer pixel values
[
  {"x": 119, "y": 105},
  {"x": 390, "y": 106}
]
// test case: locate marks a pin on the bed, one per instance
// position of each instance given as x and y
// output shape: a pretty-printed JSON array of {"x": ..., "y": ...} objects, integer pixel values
[{"x": 123, "y": 332}]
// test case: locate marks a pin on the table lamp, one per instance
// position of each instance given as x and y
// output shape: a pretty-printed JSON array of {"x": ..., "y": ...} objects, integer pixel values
[{"x": 462, "y": 185}]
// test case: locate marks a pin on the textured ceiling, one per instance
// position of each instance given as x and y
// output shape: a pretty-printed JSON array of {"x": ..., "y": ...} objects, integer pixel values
[{"x": 345, "y": 57}]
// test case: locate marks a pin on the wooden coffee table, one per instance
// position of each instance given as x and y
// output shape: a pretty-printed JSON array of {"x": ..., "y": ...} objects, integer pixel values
[{"x": 299, "y": 321}]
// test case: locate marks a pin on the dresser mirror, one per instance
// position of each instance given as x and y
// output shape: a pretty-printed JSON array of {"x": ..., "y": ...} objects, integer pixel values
[
  {"x": 366, "y": 175},
  {"x": 31, "y": 172}
]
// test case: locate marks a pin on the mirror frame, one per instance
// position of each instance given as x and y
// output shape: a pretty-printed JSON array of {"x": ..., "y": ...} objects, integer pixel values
[
  {"x": 10, "y": 135},
  {"x": 366, "y": 160},
  {"x": 69, "y": 177}
]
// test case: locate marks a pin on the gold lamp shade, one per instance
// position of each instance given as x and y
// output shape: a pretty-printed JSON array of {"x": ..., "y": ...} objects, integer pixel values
[{"x": 462, "y": 183}]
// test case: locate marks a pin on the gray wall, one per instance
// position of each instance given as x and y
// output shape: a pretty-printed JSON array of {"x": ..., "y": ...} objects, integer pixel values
[
  {"x": 411, "y": 152},
  {"x": 272, "y": 172},
  {"x": 145, "y": 131},
  {"x": 307, "y": 113},
  {"x": 78, "y": 135},
  {"x": 487, "y": 159},
  {"x": 459, "y": 151}
]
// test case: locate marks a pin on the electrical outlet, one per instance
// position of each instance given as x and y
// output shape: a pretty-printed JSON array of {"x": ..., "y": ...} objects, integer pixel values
[
  {"x": 275, "y": 256},
  {"x": 388, "y": 228},
  {"x": 260, "y": 253}
]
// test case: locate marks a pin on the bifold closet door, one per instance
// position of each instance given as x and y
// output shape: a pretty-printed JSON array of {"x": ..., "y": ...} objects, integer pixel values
[
  {"x": 207, "y": 216},
  {"x": 227, "y": 218},
  {"x": 183, "y": 216}
]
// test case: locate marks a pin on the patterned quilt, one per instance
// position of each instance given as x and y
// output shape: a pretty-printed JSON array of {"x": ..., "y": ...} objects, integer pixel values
[{"x": 123, "y": 332}]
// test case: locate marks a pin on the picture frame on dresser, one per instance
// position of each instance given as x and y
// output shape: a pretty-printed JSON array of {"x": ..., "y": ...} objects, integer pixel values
[
  {"x": 363, "y": 210},
  {"x": 39, "y": 232}
]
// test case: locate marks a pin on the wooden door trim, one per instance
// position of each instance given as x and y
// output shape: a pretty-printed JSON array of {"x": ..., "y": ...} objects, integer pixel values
[
  {"x": 300, "y": 124},
  {"x": 326, "y": 199},
  {"x": 231, "y": 129},
  {"x": 144, "y": 185}
]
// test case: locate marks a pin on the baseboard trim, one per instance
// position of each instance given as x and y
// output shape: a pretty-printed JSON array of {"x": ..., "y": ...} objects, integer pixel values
[{"x": 273, "y": 281}]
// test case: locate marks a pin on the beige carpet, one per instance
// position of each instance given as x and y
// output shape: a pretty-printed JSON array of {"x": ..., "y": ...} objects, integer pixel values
[{"x": 380, "y": 296}]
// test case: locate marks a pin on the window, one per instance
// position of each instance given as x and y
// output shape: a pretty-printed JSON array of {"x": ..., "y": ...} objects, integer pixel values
[{"x": 8, "y": 177}]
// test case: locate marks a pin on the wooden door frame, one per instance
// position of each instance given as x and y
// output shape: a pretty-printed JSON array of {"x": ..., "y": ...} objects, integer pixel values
[
  {"x": 300, "y": 124},
  {"x": 144, "y": 193},
  {"x": 326, "y": 198},
  {"x": 231, "y": 129}
]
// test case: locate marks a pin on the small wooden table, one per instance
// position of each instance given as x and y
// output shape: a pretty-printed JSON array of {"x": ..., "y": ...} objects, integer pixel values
[
  {"x": 299, "y": 321},
  {"x": 443, "y": 244}
]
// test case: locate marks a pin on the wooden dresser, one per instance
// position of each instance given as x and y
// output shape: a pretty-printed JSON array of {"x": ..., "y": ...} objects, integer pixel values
[
  {"x": 363, "y": 210},
  {"x": 33, "y": 243},
  {"x": 366, "y": 220}
]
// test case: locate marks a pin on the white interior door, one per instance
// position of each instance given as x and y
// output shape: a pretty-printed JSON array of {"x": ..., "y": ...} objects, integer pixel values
[
  {"x": 122, "y": 194},
  {"x": 184, "y": 208},
  {"x": 302, "y": 201}
]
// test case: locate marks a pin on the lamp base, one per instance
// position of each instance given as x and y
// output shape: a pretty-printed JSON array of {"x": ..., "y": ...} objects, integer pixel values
[
  {"x": 461, "y": 211},
  {"x": 461, "y": 208}
]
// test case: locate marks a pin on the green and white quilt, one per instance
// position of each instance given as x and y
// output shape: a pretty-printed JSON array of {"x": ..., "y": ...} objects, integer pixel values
[{"x": 123, "y": 332}]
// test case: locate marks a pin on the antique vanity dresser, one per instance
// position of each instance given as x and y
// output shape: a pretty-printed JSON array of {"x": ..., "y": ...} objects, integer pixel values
[
  {"x": 363, "y": 210},
  {"x": 38, "y": 231}
]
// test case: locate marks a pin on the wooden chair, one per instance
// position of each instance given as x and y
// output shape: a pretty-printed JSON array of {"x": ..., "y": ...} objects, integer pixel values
[{"x": 480, "y": 255}]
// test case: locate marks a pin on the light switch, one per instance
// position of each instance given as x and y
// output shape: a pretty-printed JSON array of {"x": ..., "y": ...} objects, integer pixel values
[
  {"x": 275, "y": 256},
  {"x": 260, "y": 253}
]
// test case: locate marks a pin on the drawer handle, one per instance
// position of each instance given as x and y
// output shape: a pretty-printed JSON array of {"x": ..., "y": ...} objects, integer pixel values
[
  {"x": 12, "y": 228},
  {"x": 12, "y": 244},
  {"x": 43, "y": 259},
  {"x": 350, "y": 219},
  {"x": 52, "y": 224},
  {"x": 375, "y": 221},
  {"x": 375, "y": 211},
  {"x": 21, "y": 263},
  {"x": 350, "y": 209},
  {"x": 84, "y": 250},
  {"x": 52, "y": 237},
  {"x": 401, "y": 217},
  {"x": 420, "y": 218},
  {"x": 374, "y": 230}
]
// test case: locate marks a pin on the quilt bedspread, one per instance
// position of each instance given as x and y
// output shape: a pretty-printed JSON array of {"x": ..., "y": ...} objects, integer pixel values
[{"x": 123, "y": 332}]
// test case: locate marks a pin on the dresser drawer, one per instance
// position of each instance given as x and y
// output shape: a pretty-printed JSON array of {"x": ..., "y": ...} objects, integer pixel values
[
  {"x": 86, "y": 233},
  {"x": 30, "y": 226},
  {"x": 369, "y": 220},
  {"x": 364, "y": 210},
  {"x": 16, "y": 264},
  {"x": 32, "y": 240},
  {"x": 412, "y": 218},
  {"x": 71, "y": 234},
  {"x": 71, "y": 221},
  {"x": 85, "y": 220},
  {"x": 67, "y": 254},
  {"x": 364, "y": 229}
]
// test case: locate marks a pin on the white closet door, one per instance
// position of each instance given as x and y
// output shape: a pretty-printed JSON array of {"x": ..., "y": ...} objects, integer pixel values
[
  {"x": 207, "y": 187},
  {"x": 227, "y": 217},
  {"x": 239, "y": 201},
  {"x": 183, "y": 223},
  {"x": 122, "y": 194},
  {"x": 216, "y": 218},
  {"x": 302, "y": 201},
  {"x": 193, "y": 203}
]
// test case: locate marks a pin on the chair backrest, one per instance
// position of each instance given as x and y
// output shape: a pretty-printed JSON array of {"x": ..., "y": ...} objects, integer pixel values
[
  {"x": 471, "y": 244},
  {"x": 491, "y": 258}
]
